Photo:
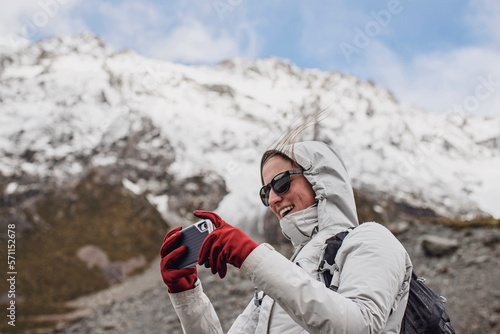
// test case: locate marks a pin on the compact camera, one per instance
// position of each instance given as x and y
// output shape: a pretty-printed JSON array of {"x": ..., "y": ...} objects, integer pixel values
[{"x": 193, "y": 237}]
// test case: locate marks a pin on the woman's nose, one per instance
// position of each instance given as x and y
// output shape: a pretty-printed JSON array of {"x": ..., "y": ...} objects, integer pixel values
[{"x": 274, "y": 198}]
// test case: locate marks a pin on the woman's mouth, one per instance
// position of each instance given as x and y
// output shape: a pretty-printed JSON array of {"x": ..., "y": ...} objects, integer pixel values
[{"x": 286, "y": 210}]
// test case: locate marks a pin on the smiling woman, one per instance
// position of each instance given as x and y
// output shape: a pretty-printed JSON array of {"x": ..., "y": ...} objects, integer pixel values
[{"x": 306, "y": 185}]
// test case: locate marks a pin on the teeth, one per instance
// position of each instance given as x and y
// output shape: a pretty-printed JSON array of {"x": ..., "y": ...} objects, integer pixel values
[{"x": 285, "y": 210}]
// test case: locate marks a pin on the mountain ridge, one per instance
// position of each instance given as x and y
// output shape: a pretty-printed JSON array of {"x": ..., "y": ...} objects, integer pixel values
[
  {"x": 107, "y": 150},
  {"x": 69, "y": 102}
]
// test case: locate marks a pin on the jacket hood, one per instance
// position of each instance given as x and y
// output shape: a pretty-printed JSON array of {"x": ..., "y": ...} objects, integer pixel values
[{"x": 335, "y": 210}]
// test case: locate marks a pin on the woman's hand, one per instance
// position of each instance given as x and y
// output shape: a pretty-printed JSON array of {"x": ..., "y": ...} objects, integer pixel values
[
  {"x": 226, "y": 244},
  {"x": 177, "y": 280}
]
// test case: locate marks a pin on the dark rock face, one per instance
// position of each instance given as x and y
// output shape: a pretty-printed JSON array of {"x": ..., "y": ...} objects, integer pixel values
[
  {"x": 201, "y": 192},
  {"x": 272, "y": 229}
]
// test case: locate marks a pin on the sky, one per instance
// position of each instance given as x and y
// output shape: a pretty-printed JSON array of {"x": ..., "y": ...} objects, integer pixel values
[{"x": 443, "y": 56}]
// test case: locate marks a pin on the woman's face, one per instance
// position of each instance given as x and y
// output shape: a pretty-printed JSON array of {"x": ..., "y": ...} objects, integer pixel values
[{"x": 300, "y": 195}]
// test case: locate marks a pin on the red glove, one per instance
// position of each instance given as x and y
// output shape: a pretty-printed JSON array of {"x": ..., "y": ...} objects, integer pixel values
[
  {"x": 226, "y": 244},
  {"x": 177, "y": 280}
]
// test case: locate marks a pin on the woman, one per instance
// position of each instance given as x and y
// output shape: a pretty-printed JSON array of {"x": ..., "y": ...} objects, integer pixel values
[{"x": 307, "y": 187}]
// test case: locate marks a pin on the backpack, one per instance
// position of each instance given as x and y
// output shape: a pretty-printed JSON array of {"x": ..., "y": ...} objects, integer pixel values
[{"x": 425, "y": 312}]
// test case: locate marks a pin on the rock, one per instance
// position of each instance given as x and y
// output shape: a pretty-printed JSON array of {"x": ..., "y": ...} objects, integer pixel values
[
  {"x": 205, "y": 190},
  {"x": 114, "y": 271},
  {"x": 93, "y": 256},
  {"x": 438, "y": 246},
  {"x": 272, "y": 230},
  {"x": 479, "y": 259},
  {"x": 491, "y": 239}
]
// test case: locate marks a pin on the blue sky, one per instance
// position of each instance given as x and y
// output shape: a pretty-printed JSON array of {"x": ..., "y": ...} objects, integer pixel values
[{"x": 440, "y": 55}]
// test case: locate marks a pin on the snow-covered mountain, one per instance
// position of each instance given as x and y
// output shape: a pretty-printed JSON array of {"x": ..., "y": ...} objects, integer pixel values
[{"x": 71, "y": 103}]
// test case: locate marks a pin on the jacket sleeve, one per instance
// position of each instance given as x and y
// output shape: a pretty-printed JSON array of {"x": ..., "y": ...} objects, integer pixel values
[
  {"x": 195, "y": 311},
  {"x": 373, "y": 270}
]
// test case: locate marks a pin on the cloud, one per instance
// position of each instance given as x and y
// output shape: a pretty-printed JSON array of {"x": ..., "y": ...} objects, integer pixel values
[
  {"x": 484, "y": 18},
  {"x": 440, "y": 68},
  {"x": 461, "y": 80},
  {"x": 11, "y": 25},
  {"x": 180, "y": 32},
  {"x": 27, "y": 20},
  {"x": 129, "y": 22},
  {"x": 461, "y": 76},
  {"x": 194, "y": 42}
]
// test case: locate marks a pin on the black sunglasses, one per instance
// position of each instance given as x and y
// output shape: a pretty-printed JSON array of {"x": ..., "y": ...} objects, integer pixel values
[{"x": 280, "y": 184}]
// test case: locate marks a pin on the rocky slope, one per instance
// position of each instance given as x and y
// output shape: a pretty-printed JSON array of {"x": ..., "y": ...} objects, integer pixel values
[{"x": 467, "y": 277}]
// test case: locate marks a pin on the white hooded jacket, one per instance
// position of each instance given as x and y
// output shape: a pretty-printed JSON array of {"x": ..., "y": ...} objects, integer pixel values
[{"x": 371, "y": 281}]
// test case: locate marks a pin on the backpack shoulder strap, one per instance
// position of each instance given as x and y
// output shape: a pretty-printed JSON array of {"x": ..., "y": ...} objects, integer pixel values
[{"x": 327, "y": 262}]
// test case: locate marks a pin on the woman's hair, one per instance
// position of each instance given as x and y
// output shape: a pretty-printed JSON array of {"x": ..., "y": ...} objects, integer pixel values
[{"x": 286, "y": 141}]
